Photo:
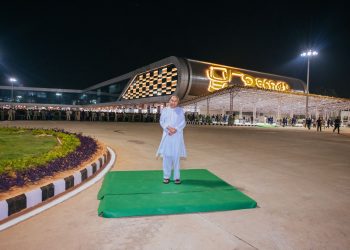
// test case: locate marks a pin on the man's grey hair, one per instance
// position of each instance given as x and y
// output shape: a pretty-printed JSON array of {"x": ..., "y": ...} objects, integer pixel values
[{"x": 175, "y": 97}]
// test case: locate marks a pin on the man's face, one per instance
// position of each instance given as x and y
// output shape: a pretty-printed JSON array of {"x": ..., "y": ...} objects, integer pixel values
[{"x": 173, "y": 102}]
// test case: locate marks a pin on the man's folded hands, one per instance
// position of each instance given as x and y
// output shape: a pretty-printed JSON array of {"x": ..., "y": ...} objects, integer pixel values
[{"x": 171, "y": 130}]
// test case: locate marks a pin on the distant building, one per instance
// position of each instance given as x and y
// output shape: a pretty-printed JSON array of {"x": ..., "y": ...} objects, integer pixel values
[{"x": 201, "y": 86}]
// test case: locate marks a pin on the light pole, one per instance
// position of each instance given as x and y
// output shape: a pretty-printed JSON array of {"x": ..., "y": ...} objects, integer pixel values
[
  {"x": 308, "y": 54},
  {"x": 12, "y": 80}
]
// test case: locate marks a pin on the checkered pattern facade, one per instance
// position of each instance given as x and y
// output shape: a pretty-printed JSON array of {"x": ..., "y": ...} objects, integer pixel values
[{"x": 156, "y": 82}]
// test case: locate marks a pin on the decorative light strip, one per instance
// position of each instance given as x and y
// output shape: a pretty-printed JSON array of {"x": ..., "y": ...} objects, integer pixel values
[
  {"x": 156, "y": 82},
  {"x": 220, "y": 77}
]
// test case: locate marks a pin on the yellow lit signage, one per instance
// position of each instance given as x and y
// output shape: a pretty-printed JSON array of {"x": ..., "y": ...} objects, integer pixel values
[{"x": 220, "y": 77}]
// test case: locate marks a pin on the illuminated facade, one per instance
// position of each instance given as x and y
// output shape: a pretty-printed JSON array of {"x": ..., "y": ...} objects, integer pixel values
[
  {"x": 157, "y": 82},
  {"x": 220, "y": 77},
  {"x": 191, "y": 80},
  {"x": 154, "y": 83}
]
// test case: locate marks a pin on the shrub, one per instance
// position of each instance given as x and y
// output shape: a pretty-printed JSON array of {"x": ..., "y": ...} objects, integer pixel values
[{"x": 74, "y": 150}]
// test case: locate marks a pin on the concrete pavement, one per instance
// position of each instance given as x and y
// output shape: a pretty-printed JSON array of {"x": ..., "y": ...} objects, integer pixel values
[{"x": 300, "y": 179}]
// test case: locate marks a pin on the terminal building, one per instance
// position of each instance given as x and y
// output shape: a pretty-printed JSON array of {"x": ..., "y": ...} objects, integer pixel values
[{"x": 204, "y": 88}]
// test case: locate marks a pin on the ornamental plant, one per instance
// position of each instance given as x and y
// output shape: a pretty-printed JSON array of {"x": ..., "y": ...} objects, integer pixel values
[{"x": 71, "y": 151}]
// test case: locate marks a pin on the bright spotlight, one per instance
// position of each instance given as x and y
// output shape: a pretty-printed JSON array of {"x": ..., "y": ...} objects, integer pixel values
[{"x": 309, "y": 53}]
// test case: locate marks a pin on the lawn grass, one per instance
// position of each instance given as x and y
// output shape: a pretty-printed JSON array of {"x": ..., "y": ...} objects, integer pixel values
[
  {"x": 25, "y": 149},
  {"x": 15, "y": 146}
]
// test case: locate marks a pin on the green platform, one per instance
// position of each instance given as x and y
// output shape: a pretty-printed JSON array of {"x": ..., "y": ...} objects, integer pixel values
[{"x": 141, "y": 193}]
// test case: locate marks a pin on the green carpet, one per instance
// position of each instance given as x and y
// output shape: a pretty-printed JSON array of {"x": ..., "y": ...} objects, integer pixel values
[{"x": 140, "y": 193}]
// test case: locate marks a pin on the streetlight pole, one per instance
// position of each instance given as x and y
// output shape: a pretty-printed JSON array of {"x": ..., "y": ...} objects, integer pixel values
[
  {"x": 308, "y": 54},
  {"x": 307, "y": 86},
  {"x": 12, "y": 80}
]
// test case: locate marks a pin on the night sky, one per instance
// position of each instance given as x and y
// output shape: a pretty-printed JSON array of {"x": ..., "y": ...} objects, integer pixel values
[{"x": 66, "y": 45}]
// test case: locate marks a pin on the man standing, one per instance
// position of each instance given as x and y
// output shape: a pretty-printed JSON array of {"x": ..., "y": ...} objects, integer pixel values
[
  {"x": 172, "y": 145},
  {"x": 2, "y": 114},
  {"x": 308, "y": 123},
  {"x": 28, "y": 114},
  {"x": 10, "y": 114},
  {"x": 337, "y": 124},
  {"x": 319, "y": 124},
  {"x": 68, "y": 113}
]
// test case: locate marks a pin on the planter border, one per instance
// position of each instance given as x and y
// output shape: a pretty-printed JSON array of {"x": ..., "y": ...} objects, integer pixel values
[{"x": 28, "y": 201}]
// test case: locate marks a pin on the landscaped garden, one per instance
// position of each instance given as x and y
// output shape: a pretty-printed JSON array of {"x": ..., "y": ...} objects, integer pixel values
[{"x": 28, "y": 155}]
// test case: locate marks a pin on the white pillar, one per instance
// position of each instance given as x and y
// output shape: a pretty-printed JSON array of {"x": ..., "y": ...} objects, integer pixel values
[
  {"x": 231, "y": 103},
  {"x": 241, "y": 112},
  {"x": 208, "y": 101},
  {"x": 254, "y": 113},
  {"x": 278, "y": 112}
]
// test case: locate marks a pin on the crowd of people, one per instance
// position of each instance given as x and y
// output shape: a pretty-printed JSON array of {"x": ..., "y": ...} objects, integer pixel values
[
  {"x": 68, "y": 114},
  {"x": 210, "y": 119},
  {"x": 321, "y": 123},
  {"x": 232, "y": 119},
  {"x": 75, "y": 115}
]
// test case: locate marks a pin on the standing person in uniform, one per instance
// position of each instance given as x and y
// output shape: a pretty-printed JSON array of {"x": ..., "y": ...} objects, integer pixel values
[
  {"x": 172, "y": 145},
  {"x": 308, "y": 122},
  {"x": 28, "y": 114},
  {"x": 10, "y": 113},
  {"x": 319, "y": 124},
  {"x": 68, "y": 113},
  {"x": 337, "y": 124},
  {"x": 2, "y": 114}
]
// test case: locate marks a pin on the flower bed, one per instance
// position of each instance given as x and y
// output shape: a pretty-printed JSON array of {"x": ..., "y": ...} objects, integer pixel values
[{"x": 73, "y": 150}]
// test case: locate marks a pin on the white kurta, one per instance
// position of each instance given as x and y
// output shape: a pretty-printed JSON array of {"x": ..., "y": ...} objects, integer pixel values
[{"x": 172, "y": 145}]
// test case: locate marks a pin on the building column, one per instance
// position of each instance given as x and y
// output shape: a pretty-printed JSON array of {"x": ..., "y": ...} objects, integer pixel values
[
  {"x": 231, "y": 102},
  {"x": 254, "y": 113},
  {"x": 278, "y": 118},
  {"x": 208, "y": 101},
  {"x": 241, "y": 112}
]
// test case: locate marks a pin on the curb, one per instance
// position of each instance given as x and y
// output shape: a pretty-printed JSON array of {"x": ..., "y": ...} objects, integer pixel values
[{"x": 19, "y": 204}]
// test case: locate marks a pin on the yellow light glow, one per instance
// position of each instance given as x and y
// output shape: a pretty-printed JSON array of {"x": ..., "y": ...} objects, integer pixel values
[{"x": 220, "y": 77}]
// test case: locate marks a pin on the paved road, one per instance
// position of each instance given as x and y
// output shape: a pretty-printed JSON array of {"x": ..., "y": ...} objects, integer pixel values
[{"x": 300, "y": 179}]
